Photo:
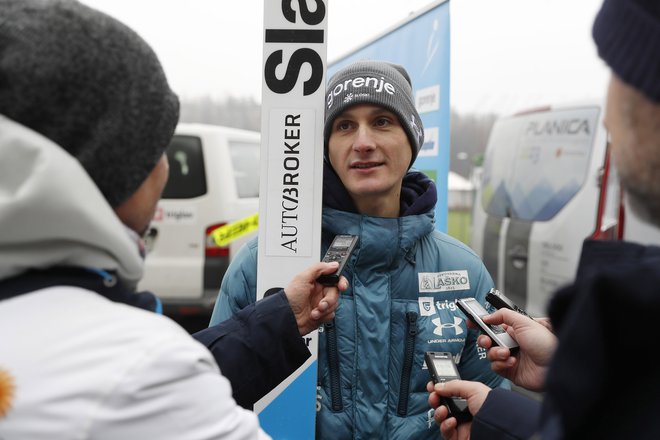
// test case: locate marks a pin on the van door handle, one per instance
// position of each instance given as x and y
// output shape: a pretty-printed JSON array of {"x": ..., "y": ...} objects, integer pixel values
[{"x": 518, "y": 257}]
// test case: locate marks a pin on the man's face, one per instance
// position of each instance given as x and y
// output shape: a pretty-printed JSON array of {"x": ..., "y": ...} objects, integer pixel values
[
  {"x": 633, "y": 123},
  {"x": 139, "y": 209},
  {"x": 370, "y": 151}
]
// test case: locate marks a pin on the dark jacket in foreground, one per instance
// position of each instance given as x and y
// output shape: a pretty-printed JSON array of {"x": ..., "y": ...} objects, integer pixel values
[
  {"x": 257, "y": 348},
  {"x": 601, "y": 382}
]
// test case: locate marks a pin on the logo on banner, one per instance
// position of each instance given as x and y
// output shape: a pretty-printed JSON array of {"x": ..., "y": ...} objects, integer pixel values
[
  {"x": 301, "y": 56},
  {"x": 430, "y": 146},
  {"x": 428, "y": 99}
]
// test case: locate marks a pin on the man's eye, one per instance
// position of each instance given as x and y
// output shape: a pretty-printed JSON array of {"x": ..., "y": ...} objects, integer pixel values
[
  {"x": 344, "y": 125},
  {"x": 382, "y": 122}
]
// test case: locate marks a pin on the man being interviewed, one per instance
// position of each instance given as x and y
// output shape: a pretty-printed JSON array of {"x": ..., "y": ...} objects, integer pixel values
[{"x": 404, "y": 275}]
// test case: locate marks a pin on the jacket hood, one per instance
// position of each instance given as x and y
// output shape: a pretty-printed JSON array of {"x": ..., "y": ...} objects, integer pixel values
[
  {"x": 52, "y": 213},
  {"x": 418, "y": 193}
]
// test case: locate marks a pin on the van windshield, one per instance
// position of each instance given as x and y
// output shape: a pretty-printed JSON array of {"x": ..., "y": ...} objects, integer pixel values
[{"x": 536, "y": 163}]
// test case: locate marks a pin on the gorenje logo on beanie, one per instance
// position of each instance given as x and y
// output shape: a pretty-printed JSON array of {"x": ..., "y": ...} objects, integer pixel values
[{"x": 377, "y": 84}]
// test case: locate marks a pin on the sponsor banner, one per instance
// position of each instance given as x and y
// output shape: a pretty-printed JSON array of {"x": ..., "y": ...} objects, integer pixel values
[{"x": 291, "y": 181}]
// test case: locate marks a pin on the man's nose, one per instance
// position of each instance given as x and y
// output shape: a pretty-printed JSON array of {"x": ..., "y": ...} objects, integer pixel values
[{"x": 364, "y": 139}]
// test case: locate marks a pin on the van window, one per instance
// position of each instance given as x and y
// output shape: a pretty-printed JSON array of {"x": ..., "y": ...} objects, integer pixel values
[
  {"x": 187, "y": 176},
  {"x": 245, "y": 161},
  {"x": 537, "y": 163}
]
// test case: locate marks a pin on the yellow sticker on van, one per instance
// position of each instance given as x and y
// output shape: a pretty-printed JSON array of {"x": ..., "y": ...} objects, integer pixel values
[{"x": 230, "y": 232}]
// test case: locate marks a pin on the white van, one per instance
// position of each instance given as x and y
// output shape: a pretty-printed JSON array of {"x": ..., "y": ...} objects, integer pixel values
[
  {"x": 547, "y": 184},
  {"x": 214, "y": 180}
]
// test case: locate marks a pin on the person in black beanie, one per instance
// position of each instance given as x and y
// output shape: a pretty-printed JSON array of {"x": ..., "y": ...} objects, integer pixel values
[
  {"x": 86, "y": 114},
  {"x": 598, "y": 373}
]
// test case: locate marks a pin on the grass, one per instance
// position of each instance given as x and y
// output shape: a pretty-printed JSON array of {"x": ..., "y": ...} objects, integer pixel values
[{"x": 459, "y": 225}]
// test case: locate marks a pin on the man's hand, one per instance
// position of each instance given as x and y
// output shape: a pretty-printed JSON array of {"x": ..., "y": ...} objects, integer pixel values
[
  {"x": 474, "y": 392},
  {"x": 537, "y": 345},
  {"x": 311, "y": 302}
]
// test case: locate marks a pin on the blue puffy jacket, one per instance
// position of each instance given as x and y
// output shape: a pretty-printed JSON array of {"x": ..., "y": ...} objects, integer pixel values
[{"x": 404, "y": 278}]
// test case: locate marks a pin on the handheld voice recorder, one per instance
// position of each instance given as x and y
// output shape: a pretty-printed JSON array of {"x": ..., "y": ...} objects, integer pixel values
[
  {"x": 340, "y": 249},
  {"x": 442, "y": 369},
  {"x": 474, "y": 310},
  {"x": 498, "y": 300}
]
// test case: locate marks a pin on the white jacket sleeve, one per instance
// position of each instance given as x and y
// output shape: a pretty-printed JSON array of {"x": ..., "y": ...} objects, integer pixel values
[{"x": 174, "y": 391}]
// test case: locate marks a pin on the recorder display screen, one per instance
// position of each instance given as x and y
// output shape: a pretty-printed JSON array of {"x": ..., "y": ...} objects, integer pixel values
[
  {"x": 444, "y": 368},
  {"x": 342, "y": 242}
]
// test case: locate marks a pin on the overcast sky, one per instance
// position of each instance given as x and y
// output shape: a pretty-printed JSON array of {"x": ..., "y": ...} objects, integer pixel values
[{"x": 506, "y": 55}]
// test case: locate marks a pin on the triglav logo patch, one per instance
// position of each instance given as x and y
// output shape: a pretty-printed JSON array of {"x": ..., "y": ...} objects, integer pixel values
[
  {"x": 426, "y": 307},
  {"x": 443, "y": 281}
]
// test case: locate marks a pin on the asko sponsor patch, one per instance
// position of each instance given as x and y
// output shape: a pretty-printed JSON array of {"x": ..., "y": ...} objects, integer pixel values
[{"x": 443, "y": 281}]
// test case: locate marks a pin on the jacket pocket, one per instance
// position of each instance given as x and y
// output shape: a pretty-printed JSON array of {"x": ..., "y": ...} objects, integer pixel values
[
  {"x": 408, "y": 358},
  {"x": 333, "y": 365}
]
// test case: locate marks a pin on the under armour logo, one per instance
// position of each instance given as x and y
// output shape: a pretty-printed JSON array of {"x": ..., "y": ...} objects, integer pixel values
[{"x": 439, "y": 325}]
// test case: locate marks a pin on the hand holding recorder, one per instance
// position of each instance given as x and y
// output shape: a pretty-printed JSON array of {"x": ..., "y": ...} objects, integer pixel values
[
  {"x": 473, "y": 393},
  {"x": 527, "y": 367},
  {"x": 313, "y": 303},
  {"x": 340, "y": 251},
  {"x": 475, "y": 313},
  {"x": 442, "y": 369}
]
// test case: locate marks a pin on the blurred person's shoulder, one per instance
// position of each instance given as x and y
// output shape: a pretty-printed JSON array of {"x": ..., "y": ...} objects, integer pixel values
[
  {"x": 100, "y": 360},
  {"x": 90, "y": 322}
]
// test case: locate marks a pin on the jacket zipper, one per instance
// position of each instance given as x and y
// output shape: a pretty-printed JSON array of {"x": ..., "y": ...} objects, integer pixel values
[
  {"x": 333, "y": 363},
  {"x": 409, "y": 353}
]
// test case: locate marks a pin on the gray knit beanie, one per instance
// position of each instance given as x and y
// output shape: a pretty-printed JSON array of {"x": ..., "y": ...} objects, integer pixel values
[
  {"x": 627, "y": 34},
  {"x": 374, "y": 82},
  {"x": 91, "y": 85}
]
